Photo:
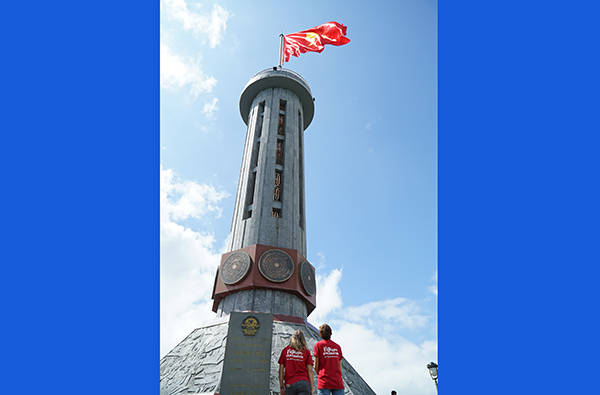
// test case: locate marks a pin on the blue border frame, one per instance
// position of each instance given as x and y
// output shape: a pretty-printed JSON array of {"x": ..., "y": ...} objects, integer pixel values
[
  {"x": 81, "y": 208},
  {"x": 518, "y": 196}
]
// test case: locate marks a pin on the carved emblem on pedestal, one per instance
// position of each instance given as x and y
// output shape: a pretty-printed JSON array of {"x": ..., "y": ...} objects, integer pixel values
[{"x": 250, "y": 326}]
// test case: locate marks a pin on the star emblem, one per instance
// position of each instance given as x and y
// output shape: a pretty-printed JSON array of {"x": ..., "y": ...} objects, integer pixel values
[{"x": 313, "y": 39}]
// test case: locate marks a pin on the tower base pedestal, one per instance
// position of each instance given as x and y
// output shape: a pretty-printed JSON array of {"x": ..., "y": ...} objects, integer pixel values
[{"x": 195, "y": 366}]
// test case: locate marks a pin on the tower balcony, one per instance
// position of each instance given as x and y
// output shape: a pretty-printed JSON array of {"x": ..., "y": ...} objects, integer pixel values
[{"x": 278, "y": 78}]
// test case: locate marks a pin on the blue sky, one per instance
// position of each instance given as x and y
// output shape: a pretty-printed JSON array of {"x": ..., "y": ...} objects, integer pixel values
[{"x": 371, "y": 169}]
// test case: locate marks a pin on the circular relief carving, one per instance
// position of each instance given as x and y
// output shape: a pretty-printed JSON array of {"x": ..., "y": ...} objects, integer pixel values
[
  {"x": 307, "y": 278},
  {"x": 276, "y": 266},
  {"x": 235, "y": 267}
]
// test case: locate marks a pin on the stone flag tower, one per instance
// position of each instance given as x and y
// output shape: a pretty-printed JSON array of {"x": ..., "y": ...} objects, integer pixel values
[
  {"x": 268, "y": 227},
  {"x": 264, "y": 288}
]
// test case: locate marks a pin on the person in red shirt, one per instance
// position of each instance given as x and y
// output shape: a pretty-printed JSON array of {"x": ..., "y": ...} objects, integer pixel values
[
  {"x": 328, "y": 364},
  {"x": 295, "y": 367}
]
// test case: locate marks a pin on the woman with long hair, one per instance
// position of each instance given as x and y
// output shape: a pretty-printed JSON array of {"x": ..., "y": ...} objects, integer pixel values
[{"x": 295, "y": 367}]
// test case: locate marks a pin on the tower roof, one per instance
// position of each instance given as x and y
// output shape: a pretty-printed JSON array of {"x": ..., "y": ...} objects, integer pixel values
[{"x": 278, "y": 78}]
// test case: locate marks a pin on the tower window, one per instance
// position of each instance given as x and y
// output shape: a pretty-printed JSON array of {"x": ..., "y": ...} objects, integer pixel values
[
  {"x": 281, "y": 124},
  {"x": 300, "y": 173},
  {"x": 260, "y": 116},
  {"x": 279, "y": 153},
  {"x": 254, "y": 161},
  {"x": 278, "y": 185},
  {"x": 250, "y": 194}
]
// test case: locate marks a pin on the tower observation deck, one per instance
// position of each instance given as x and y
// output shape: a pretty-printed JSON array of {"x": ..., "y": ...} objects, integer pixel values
[{"x": 265, "y": 268}]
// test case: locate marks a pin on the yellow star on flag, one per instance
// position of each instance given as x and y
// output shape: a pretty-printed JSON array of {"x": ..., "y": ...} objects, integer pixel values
[{"x": 313, "y": 38}]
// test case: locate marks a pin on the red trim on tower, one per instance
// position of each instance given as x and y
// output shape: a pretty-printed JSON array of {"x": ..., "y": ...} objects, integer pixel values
[{"x": 255, "y": 280}]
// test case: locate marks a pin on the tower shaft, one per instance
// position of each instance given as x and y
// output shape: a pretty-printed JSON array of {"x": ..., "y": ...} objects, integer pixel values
[
  {"x": 269, "y": 208},
  {"x": 265, "y": 268}
]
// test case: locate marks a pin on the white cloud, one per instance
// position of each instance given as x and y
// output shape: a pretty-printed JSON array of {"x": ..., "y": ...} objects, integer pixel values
[
  {"x": 209, "y": 108},
  {"x": 183, "y": 199},
  {"x": 370, "y": 124},
  {"x": 211, "y": 26},
  {"x": 188, "y": 258},
  {"x": 321, "y": 264},
  {"x": 373, "y": 338},
  {"x": 329, "y": 296},
  {"x": 177, "y": 71},
  {"x": 387, "y": 364},
  {"x": 434, "y": 288},
  {"x": 388, "y": 315}
]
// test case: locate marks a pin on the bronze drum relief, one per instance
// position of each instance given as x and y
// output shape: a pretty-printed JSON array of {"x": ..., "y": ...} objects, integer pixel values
[
  {"x": 235, "y": 267},
  {"x": 307, "y": 278},
  {"x": 276, "y": 266}
]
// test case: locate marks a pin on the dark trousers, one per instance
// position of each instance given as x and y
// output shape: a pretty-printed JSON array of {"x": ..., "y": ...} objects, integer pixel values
[{"x": 301, "y": 387}]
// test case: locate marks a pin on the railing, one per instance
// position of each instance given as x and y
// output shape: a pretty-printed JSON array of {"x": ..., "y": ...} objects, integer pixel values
[{"x": 285, "y": 70}]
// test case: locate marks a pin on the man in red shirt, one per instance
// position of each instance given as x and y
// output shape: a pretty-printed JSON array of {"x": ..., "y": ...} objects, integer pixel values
[
  {"x": 328, "y": 364},
  {"x": 295, "y": 367}
]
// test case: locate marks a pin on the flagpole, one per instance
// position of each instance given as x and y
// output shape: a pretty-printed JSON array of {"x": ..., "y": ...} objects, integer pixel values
[{"x": 280, "y": 49}]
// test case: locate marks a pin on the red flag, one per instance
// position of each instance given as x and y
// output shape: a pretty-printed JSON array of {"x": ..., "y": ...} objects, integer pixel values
[{"x": 313, "y": 40}]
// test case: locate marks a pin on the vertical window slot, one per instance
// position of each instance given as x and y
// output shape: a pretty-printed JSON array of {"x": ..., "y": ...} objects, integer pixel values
[
  {"x": 254, "y": 161},
  {"x": 261, "y": 116},
  {"x": 300, "y": 172},
  {"x": 279, "y": 153},
  {"x": 281, "y": 123}
]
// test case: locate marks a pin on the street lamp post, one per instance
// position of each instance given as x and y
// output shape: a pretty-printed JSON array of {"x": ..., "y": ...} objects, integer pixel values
[{"x": 433, "y": 371}]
